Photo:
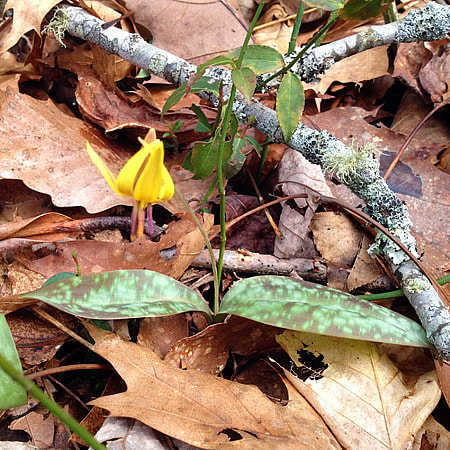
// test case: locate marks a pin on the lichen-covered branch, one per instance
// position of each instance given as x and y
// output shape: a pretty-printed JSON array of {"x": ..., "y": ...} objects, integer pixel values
[
  {"x": 357, "y": 169},
  {"x": 428, "y": 24}
]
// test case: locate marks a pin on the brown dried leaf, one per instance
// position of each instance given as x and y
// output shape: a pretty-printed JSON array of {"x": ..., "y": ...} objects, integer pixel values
[
  {"x": 34, "y": 227},
  {"x": 365, "y": 269},
  {"x": 209, "y": 350},
  {"x": 195, "y": 30},
  {"x": 336, "y": 237},
  {"x": 361, "y": 394},
  {"x": 47, "y": 150},
  {"x": 202, "y": 409},
  {"x": 367, "y": 65},
  {"x": 297, "y": 174},
  {"x": 159, "y": 334},
  {"x": 27, "y": 16},
  {"x": 170, "y": 256},
  {"x": 36, "y": 340},
  {"x": 41, "y": 429}
]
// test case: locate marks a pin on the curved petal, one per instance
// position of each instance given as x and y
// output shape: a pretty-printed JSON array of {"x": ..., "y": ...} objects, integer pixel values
[
  {"x": 129, "y": 175},
  {"x": 148, "y": 185},
  {"x": 103, "y": 168},
  {"x": 167, "y": 187}
]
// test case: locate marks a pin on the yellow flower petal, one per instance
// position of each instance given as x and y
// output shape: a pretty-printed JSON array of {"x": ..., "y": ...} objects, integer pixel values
[
  {"x": 104, "y": 170},
  {"x": 129, "y": 175},
  {"x": 149, "y": 184},
  {"x": 143, "y": 177}
]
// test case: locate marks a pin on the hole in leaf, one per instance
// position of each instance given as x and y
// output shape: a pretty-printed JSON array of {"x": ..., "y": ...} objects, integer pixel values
[{"x": 232, "y": 434}]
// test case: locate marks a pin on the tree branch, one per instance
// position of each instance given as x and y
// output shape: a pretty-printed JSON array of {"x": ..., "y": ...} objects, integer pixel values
[{"x": 359, "y": 170}]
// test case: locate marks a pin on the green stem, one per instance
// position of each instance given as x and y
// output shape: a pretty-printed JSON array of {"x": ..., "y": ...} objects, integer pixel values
[
  {"x": 262, "y": 161},
  {"x": 399, "y": 292},
  {"x": 316, "y": 38},
  {"x": 296, "y": 29},
  {"x": 208, "y": 245},
  {"x": 225, "y": 125},
  {"x": 48, "y": 403}
]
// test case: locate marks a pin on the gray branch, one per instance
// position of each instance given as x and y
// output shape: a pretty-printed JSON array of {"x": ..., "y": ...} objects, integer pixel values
[
  {"x": 428, "y": 24},
  {"x": 357, "y": 169}
]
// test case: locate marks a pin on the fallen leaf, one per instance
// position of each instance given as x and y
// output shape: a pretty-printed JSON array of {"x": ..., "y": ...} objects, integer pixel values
[
  {"x": 210, "y": 349},
  {"x": 175, "y": 28},
  {"x": 47, "y": 150},
  {"x": 297, "y": 174},
  {"x": 171, "y": 255},
  {"x": 34, "y": 227},
  {"x": 27, "y": 16},
  {"x": 204, "y": 410},
  {"x": 41, "y": 429},
  {"x": 159, "y": 334},
  {"x": 367, "y": 65},
  {"x": 362, "y": 396},
  {"x": 36, "y": 341}
]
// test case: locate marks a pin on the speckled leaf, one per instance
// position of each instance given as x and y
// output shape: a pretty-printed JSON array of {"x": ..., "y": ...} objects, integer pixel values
[
  {"x": 12, "y": 394},
  {"x": 303, "y": 306},
  {"x": 121, "y": 294},
  {"x": 290, "y": 104}
]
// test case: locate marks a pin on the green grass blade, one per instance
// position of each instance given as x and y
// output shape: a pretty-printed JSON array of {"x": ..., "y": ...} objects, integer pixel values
[
  {"x": 121, "y": 294},
  {"x": 303, "y": 306}
]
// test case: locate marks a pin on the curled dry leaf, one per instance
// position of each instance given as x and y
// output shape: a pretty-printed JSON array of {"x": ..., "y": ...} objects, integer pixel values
[{"x": 170, "y": 256}]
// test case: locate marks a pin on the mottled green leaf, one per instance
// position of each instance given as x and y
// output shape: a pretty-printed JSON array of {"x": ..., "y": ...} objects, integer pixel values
[
  {"x": 303, "y": 306},
  {"x": 245, "y": 80},
  {"x": 329, "y": 5},
  {"x": 12, "y": 394},
  {"x": 120, "y": 294},
  {"x": 363, "y": 10},
  {"x": 290, "y": 103},
  {"x": 260, "y": 58}
]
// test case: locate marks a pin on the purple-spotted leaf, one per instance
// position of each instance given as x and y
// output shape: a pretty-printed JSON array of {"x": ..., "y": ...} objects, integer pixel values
[
  {"x": 304, "y": 306},
  {"x": 290, "y": 104},
  {"x": 121, "y": 294},
  {"x": 245, "y": 80},
  {"x": 12, "y": 394}
]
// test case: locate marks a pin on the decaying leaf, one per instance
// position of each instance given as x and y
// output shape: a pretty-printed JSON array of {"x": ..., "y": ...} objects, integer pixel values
[
  {"x": 362, "y": 396},
  {"x": 204, "y": 410}
]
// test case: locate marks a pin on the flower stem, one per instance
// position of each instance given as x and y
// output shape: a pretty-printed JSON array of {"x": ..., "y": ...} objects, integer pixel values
[{"x": 225, "y": 125}]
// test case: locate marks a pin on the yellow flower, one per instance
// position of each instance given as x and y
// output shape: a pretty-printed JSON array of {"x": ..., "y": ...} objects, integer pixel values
[{"x": 144, "y": 177}]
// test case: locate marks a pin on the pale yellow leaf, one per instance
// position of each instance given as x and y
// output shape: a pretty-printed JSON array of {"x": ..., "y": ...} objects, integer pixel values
[{"x": 366, "y": 401}]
